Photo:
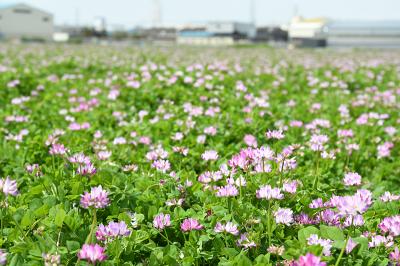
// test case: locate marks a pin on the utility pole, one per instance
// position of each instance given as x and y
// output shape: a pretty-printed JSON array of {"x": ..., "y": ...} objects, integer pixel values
[
  {"x": 157, "y": 13},
  {"x": 77, "y": 20},
  {"x": 253, "y": 12}
]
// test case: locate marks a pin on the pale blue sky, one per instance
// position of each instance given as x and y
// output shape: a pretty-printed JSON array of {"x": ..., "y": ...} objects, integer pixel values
[{"x": 135, "y": 12}]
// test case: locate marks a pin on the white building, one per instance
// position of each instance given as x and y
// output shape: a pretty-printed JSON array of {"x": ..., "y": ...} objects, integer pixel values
[
  {"x": 379, "y": 34},
  {"x": 21, "y": 20},
  {"x": 307, "y": 32},
  {"x": 100, "y": 24},
  {"x": 344, "y": 34}
]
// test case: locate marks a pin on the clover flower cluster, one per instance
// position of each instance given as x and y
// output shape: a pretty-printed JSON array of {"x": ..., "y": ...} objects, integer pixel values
[
  {"x": 162, "y": 221},
  {"x": 229, "y": 228},
  {"x": 97, "y": 198},
  {"x": 85, "y": 166},
  {"x": 112, "y": 231},
  {"x": 8, "y": 186},
  {"x": 93, "y": 253}
]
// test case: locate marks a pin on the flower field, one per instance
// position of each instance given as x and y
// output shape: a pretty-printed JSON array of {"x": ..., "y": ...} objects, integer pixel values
[{"x": 167, "y": 156}]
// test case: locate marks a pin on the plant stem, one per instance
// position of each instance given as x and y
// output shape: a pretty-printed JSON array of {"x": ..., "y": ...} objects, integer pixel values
[
  {"x": 230, "y": 205},
  {"x": 166, "y": 237},
  {"x": 2, "y": 220},
  {"x": 345, "y": 244},
  {"x": 342, "y": 252},
  {"x": 269, "y": 223},
  {"x": 94, "y": 223},
  {"x": 281, "y": 173},
  {"x": 316, "y": 173}
]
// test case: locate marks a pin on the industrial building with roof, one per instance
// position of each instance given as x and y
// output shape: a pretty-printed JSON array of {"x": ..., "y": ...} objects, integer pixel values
[
  {"x": 382, "y": 34},
  {"x": 321, "y": 32},
  {"x": 217, "y": 33},
  {"x": 24, "y": 21}
]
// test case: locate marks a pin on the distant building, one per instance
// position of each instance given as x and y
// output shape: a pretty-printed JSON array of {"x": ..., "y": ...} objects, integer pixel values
[
  {"x": 270, "y": 34},
  {"x": 347, "y": 34},
  {"x": 202, "y": 37},
  {"x": 24, "y": 21},
  {"x": 236, "y": 30},
  {"x": 217, "y": 33},
  {"x": 307, "y": 32},
  {"x": 156, "y": 34},
  {"x": 381, "y": 34},
  {"x": 100, "y": 24}
]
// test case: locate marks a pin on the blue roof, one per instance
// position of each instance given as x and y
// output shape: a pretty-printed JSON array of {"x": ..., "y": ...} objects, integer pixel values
[{"x": 195, "y": 34}]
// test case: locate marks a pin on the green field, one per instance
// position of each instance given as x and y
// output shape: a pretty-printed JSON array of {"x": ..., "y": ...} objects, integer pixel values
[{"x": 195, "y": 156}]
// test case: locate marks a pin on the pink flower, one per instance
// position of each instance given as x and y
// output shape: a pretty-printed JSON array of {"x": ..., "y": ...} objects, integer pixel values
[
  {"x": 345, "y": 133},
  {"x": 190, "y": 224},
  {"x": 112, "y": 231},
  {"x": 316, "y": 204},
  {"x": 390, "y": 225},
  {"x": 210, "y": 155},
  {"x": 51, "y": 259},
  {"x": 97, "y": 198},
  {"x": 378, "y": 240},
  {"x": 207, "y": 177},
  {"x": 250, "y": 141},
  {"x": 93, "y": 253},
  {"x": 284, "y": 216},
  {"x": 352, "y": 205},
  {"x": 309, "y": 260},
  {"x": 296, "y": 123},
  {"x": 395, "y": 255},
  {"x": 277, "y": 250},
  {"x": 161, "y": 221},
  {"x": 212, "y": 131},
  {"x": 58, "y": 149},
  {"x": 8, "y": 186},
  {"x": 227, "y": 191},
  {"x": 387, "y": 196},
  {"x": 352, "y": 179},
  {"x": 119, "y": 141},
  {"x": 229, "y": 227},
  {"x": 326, "y": 244},
  {"x": 267, "y": 192},
  {"x": 350, "y": 245},
  {"x": 79, "y": 158},
  {"x": 3, "y": 257},
  {"x": 86, "y": 169},
  {"x": 104, "y": 155},
  {"x": 245, "y": 242},
  {"x": 161, "y": 165},
  {"x": 384, "y": 149},
  {"x": 290, "y": 187},
  {"x": 275, "y": 134},
  {"x": 317, "y": 142}
]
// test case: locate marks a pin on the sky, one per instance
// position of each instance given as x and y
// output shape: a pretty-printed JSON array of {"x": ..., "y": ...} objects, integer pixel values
[{"x": 130, "y": 13}]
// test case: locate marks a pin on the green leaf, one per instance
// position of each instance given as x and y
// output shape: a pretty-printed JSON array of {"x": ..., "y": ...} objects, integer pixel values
[
  {"x": 71, "y": 222},
  {"x": 363, "y": 244},
  {"x": 44, "y": 210},
  {"x": 305, "y": 233},
  {"x": 332, "y": 232},
  {"x": 27, "y": 219},
  {"x": 262, "y": 260},
  {"x": 73, "y": 246},
  {"x": 242, "y": 260},
  {"x": 230, "y": 252},
  {"x": 60, "y": 216}
]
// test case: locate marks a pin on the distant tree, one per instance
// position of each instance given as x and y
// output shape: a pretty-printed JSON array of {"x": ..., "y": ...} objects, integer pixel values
[{"x": 119, "y": 35}]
